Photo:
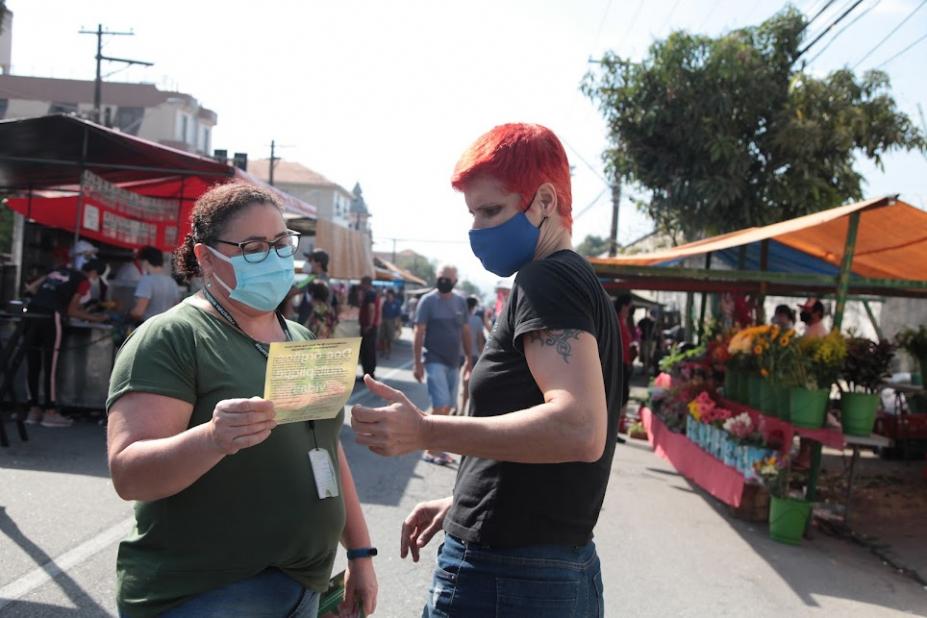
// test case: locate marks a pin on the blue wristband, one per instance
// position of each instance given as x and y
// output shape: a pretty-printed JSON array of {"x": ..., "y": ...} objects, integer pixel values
[{"x": 362, "y": 552}]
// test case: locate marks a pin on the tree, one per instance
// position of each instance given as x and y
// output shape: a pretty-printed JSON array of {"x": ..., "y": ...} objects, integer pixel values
[
  {"x": 592, "y": 246},
  {"x": 418, "y": 265},
  {"x": 468, "y": 288},
  {"x": 727, "y": 133}
]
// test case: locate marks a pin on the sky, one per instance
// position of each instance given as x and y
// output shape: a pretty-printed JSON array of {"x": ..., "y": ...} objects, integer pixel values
[{"x": 389, "y": 94}]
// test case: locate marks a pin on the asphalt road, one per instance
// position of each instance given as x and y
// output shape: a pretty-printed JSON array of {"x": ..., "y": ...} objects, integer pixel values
[{"x": 666, "y": 549}]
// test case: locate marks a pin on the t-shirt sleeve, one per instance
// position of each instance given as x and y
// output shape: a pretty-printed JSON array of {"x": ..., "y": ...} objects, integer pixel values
[
  {"x": 158, "y": 358},
  {"x": 143, "y": 289},
  {"x": 423, "y": 311},
  {"x": 549, "y": 298}
]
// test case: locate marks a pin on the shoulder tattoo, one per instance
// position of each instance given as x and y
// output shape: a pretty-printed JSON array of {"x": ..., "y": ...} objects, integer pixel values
[{"x": 559, "y": 339}]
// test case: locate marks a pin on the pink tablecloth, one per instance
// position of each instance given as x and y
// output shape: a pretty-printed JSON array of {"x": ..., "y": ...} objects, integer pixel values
[
  {"x": 826, "y": 435},
  {"x": 721, "y": 481}
]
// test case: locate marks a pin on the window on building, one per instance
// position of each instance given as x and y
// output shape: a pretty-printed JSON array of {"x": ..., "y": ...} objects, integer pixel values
[
  {"x": 183, "y": 127},
  {"x": 205, "y": 139},
  {"x": 4, "y": 105},
  {"x": 62, "y": 108},
  {"x": 129, "y": 119}
]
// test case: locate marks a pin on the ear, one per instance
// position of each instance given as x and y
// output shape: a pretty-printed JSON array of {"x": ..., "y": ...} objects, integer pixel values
[
  {"x": 545, "y": 200},
  {"x": 204, "y": 257}
]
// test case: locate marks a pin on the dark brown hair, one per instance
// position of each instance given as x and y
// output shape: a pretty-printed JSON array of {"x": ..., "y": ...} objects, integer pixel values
[{"x": 211, "y": 214}]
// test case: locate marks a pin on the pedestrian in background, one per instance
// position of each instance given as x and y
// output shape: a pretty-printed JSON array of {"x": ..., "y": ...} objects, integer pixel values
[
  {"x": 369, "y": 319},
  {"x": 441, "y": 332},
  {"x": 390, "y": 314},
  {"x": 322, "y": 320},
  {"x": 477, "y": 322},
  {"x": 623, "y": 307},
  {"x": 156, "y": 291}
]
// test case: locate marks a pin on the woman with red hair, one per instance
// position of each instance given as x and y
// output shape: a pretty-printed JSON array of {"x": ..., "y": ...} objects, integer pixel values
[{"x": 544, "y": 397}]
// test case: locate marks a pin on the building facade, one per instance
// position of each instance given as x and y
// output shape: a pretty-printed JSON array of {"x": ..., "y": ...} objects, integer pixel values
[
  {"x": 332, "y": 201},
  {"x": 172, "y": 119}
]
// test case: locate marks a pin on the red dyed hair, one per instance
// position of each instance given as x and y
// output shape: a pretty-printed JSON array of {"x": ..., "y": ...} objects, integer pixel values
[{"x": 523, "y": 157}]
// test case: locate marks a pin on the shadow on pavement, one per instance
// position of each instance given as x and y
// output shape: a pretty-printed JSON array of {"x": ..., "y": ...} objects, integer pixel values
[
  {"x": 85, "y": 605},
  {"x": 801, "y": 566},
  {"x": 79, "y": 449}
]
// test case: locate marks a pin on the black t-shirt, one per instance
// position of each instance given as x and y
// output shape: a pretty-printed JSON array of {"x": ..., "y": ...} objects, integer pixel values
[
  {"x": 505, "y": 504},
  {"x": 56, "y": 292}
]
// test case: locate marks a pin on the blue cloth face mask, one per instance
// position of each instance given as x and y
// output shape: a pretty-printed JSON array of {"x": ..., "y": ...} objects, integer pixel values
[
  {"x": 262, "y": 285},
  {"x": 503, "y": 249}
]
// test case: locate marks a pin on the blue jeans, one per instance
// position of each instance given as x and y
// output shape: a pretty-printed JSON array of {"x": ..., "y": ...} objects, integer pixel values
[
  {"x": 539, "y": 581},
  {"x": 270, "y": 594},
  {"x": 442, "y": 384}
]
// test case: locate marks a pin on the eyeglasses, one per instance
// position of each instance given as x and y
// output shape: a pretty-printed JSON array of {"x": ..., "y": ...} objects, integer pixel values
[{"x": 255, "y": 251}]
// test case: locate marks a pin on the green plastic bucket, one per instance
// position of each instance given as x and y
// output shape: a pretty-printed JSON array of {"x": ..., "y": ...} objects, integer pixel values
[
  {"x": 787, "y": 519},
  {"x": 808, "y": 408},
  {"x": 858, "y": 413},
  {"x": 753, "y": 391},
  {"x": 730, "y": 384},
  {"x": 767, "y": 396},
  {"x": 783, "y": 401}
]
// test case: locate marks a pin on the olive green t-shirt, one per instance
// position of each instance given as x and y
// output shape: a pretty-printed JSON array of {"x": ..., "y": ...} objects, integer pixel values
[{"x": 255, "y": 509}]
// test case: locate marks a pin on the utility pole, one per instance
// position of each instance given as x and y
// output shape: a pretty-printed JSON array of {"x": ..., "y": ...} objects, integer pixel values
[
  {"x": 616, "y": 201},
  {"x": 273, "y": 162},
  {"x": 98, "y": 82}
]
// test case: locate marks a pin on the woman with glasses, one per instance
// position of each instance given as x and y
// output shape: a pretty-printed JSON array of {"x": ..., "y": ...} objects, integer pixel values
[{"x": 229, "y": 521}]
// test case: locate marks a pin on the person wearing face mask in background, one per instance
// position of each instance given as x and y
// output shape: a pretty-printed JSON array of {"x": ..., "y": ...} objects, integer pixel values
[
  {"x": 441, "y": 331},
  {"x": 812, "y": 315},
  {"x": 544, "y": 400},
  {"x": 369, "y": 319},
  {"x": 229, "y": 518},
  {"x": 784, "y": 317},
  {"x": 61, "y": 293}
]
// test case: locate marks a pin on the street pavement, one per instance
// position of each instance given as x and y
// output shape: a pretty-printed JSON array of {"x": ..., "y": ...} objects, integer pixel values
[{"x": 667, "y": 549}]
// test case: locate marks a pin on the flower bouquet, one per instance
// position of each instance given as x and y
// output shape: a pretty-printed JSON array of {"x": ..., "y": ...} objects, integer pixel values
[
  {"x": 865, "y": 368},
  {"x": 788, "y": 516},
  {"x": 815, "y": 364}
]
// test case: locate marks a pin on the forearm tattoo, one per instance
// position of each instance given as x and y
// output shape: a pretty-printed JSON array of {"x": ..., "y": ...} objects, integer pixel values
[{"x": 561, "y": 339}]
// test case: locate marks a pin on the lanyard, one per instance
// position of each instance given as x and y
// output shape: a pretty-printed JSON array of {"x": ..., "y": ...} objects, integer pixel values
[{"x": 263, "y": 349}]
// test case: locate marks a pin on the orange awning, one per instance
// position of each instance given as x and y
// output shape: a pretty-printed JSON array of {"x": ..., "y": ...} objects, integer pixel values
[{"x": 891, "y": 241}]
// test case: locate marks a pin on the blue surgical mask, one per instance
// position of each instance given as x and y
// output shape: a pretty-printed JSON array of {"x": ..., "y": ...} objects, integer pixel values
[
  {"x": 505, "y": 248},
  {"x": 262, "y": 285}
]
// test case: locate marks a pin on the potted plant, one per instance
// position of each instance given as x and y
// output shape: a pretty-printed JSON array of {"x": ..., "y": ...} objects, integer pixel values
[
  {"x": 780, "y": 373},
  {"x": 744, "y": 361},
  {"x": 864, "y": 369},
  {"x": 770, "y": 346},
  {"x": 914, "y": 342},
  {"x": 815, "y": 365},
  {"x": 788, "y": 516}
]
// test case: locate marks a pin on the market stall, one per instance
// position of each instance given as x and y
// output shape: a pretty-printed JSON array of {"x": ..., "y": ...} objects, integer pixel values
[
  {"x": 73, "y": 180},
  {"x": 876, "y": 247}
]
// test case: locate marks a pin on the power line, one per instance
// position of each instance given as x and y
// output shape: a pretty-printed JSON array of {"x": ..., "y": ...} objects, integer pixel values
[
  {"x": 590, "y": 205},
  {"x": 634, "y": 17},
  {"x": 670, "y": 16},
  {"x": 916, "y": 41},
  {"x": 889, "y": 35},
  {"x": 844, "y": 29},
  {"x": 828, "y": 28},
  {"x": 598, "y": 34},
  {"x": 589, "y": 165},
  {"x": 818, "y": 14},
  {"x": 708, "y": 15}
]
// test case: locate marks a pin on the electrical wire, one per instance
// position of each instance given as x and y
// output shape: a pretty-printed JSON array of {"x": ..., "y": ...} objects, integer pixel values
[
  {"x": 828, "y": 28},
  {"x": 818, "y": 14},
  {"x": 634, "y": 17},
  {"x": 589, "y": 205},
  {"x": 916, "y": 41},
  {"x": 844, "y": 29},
  {"x": 598, "y": 34},
  {"x": 708, "y": 15},
  {"x": 589, "y": 165},
  {"x": 889, "y": 35},
  {"x": 670, "y": 16}
]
